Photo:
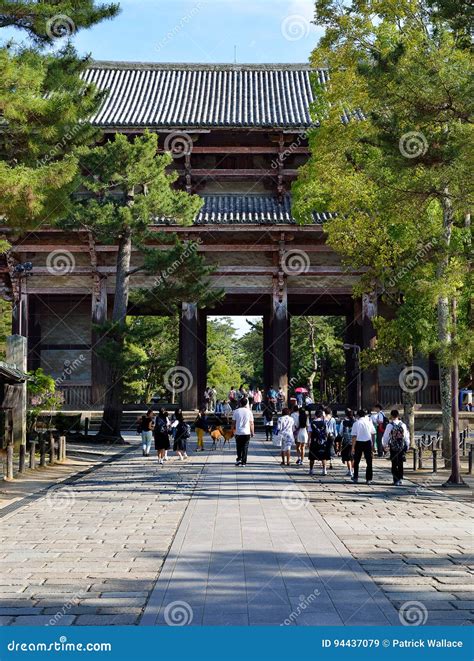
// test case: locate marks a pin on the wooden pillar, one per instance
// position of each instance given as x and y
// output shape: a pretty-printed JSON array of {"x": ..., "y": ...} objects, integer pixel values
[
  {"x": 277, "y": 341},
  {"x": 192, "y": 355},
  {"x": 98, "y": 317},
  {"x": 17, "y": 355}
]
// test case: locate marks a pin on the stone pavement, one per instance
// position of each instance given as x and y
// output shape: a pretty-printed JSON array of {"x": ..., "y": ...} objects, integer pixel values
[
  {"x": 89, "y": 552},
  {"x": 203, "y": 542},
  {"x": 415, "y": 541},
  {"x": 249, "y": 551}
]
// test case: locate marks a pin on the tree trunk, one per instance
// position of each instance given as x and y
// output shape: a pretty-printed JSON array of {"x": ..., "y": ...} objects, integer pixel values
[
  {"x": 110, "y": 427},
  {"x": 444, "y": 334},
  {"x": 314, "y": 358},
  {"x": 455, "y": 477},
  {"x": 409, "y": 400}
]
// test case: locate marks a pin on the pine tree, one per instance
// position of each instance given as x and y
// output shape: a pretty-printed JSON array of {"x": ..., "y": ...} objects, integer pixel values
[
  {"x": 44, "y": 107},
  {"x": 126, "y": 188}
]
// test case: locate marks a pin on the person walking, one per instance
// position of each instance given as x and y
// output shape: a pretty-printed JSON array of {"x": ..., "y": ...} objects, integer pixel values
[
  {"x": 280, "y": 399},
  {"x": 331, "y": 427},
  {"x": 182, "y": 433},
  {"x": 302, "y": 427},
  {"x": 232, "y": 397},
  {"x": 318, "y": 449},
  {"x": 257, "y": 400},
  {"x": 363, "y": 437},
  {"x": 161, "y": 434},
  {"x": 345, "y": 433},
  {"x": 201, "y": 425},
  {"x": 243, "y": 429},
  {"x": 268, "y": 415},
  {"x": 396, "y": 438},
  {"x": 212, "y": 397},
  {"x": 146, "y": 426},
  {"x": 286, "y": 429},
  {"x": 380, "y": 422}
]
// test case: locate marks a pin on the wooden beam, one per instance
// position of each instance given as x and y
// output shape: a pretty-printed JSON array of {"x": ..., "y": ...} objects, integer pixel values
[
  {"x": 245, "y": 150},
  {"x": 239, "y": 172}
]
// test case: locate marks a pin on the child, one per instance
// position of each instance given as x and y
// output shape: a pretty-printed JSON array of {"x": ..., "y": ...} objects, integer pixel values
[{"x": 286, "y": 428}]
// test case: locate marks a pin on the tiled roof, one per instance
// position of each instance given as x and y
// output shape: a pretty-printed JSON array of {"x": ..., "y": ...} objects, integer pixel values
[
  {"x": 200, "y": 95},
  {"x": 249, "y": 209}
]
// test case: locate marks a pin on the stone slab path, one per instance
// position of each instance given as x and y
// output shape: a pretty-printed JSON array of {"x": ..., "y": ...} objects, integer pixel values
[
  {"x": 202, "y": 542},
  {"x": 252, "y": 551}
]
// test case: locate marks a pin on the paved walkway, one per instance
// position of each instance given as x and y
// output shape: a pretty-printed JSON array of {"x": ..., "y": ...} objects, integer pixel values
[
  {"x": 203, "y": 542},
  {"x": 251, "y": 550}
]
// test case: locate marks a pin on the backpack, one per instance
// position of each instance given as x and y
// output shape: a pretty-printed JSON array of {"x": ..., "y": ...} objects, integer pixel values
[
  {"x": 381, "y": 427},
  {"x": 397, "y": 438},
  {"x": 183, "y": 430},
  {"x": 319, "y": 432},
  {"x": 139, "y": 425},
  {"x": 347, "y": 432},
  {"x": 161, "y": 426}
]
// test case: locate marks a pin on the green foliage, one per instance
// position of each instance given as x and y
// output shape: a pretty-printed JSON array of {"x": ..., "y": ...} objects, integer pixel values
[
  {"x": 128, "y": 185},
  {"x": 400, "y": 180},
  {"x": 151, "y": 349},
  {"x": 325, "y": 351},
  {"x": 5, "y": 326},
  {"x": 250, "y": 349},
  {"x": 42, "y": 395},
  {"x": 223, "y": 360},
  {"x": 46, "y": 20},
  {"x": 44, "y": 106}
]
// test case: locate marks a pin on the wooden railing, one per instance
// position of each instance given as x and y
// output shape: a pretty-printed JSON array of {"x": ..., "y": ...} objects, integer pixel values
[
  {"x": 77, "y": 396},
  {"x": 429, "y": 396}
]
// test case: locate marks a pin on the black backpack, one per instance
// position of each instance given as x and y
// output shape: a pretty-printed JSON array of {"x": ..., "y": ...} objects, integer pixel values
[
  {"x": 183, "y": 430},
  {"x": 319, "y": 432},
  {"x": 347, "y": 432},
  {"x": 161, "y": 426}
]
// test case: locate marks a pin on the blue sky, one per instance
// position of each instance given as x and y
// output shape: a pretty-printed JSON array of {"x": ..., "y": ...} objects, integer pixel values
[{"x": 205, "y": 31}]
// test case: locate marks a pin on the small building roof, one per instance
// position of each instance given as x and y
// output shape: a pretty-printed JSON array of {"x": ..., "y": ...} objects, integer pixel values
[
  {"x": 10, "y": 374},
  {"x": 197, "y": 96}
]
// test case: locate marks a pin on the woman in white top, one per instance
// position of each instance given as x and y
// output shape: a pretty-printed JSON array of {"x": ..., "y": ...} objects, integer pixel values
[
  {"x": 286, "y": 428},
  {"x": 302, "y": 428}
]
